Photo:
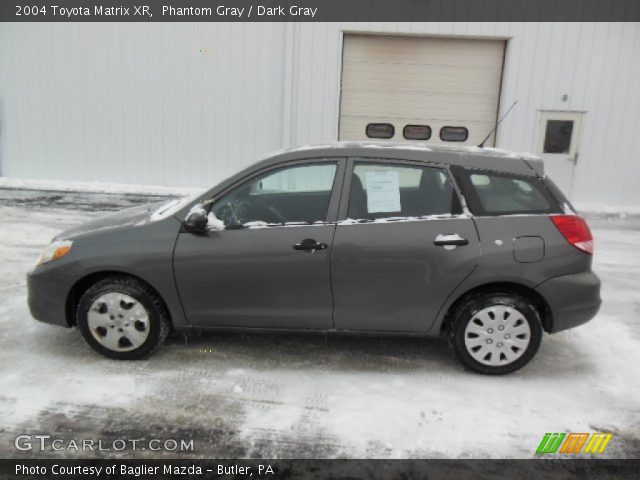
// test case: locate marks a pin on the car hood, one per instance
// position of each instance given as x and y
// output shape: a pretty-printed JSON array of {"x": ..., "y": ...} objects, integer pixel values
[{"x": 133, "y": 217}]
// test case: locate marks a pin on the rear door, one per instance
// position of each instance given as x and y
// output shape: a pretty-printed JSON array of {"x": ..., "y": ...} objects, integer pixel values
[{"x": 402, "y": 246}]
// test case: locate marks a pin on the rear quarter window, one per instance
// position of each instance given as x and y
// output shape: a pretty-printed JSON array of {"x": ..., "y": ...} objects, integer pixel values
[{"x": 491, "y": 193}]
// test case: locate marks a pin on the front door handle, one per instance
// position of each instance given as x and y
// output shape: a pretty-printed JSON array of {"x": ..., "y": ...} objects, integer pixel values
[
  {"x": 453, "y": 240},
  {"x": 310, "y": 245}
]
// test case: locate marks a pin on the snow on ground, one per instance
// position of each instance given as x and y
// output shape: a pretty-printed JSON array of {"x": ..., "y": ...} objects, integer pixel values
[
  {"x": 600, "y": 209},
  {"x": 94, "y": 187},
  {"x": 310, "y": 396}
]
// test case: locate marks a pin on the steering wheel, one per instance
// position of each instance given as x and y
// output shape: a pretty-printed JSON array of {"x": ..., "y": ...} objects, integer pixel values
[
  {"x": 227, "y": 213},
  {"x": 267, "y": 213},
  {"x": 239, "y": 213}
]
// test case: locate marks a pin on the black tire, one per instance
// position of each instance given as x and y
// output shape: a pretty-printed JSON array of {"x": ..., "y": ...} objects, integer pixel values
[
  {"x": 159, "y": 322},
  {"x": 466, "y": 312}
]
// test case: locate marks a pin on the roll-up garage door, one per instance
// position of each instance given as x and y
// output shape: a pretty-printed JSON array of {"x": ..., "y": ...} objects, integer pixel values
[{"x": 431, "y": 90}]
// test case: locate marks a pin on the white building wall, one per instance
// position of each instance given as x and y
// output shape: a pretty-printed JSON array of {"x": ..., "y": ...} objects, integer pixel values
[
  {"x": 188, "y": 104},
  {"x": 183, "y": 104}
]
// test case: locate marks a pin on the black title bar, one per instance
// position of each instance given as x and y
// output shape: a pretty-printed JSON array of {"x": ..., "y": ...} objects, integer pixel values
[{"x": 318, "y": 10}]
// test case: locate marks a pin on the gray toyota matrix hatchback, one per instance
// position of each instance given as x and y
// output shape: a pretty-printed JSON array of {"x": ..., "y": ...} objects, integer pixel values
[{"x": 475, "y": 244}]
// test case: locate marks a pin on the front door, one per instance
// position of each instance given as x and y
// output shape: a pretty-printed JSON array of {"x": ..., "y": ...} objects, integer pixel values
[
  {"x": 401, "y": 249},
  {"x": 558, "y": 143},
  {"x": 270, "y": 266}
]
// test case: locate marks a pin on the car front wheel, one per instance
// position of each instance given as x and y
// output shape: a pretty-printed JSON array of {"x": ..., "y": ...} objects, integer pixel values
[
  {"x": 495, "y": 333},
  {"x": 122, "y": 318}
]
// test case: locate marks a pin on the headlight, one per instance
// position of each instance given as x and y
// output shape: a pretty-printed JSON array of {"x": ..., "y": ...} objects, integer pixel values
[{"x": 54, "y": 251}]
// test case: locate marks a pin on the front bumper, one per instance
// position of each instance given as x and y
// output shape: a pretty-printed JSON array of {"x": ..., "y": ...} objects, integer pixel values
[
  {"x": 47, "y": 292},
  {"x": 573, "y": 299}
]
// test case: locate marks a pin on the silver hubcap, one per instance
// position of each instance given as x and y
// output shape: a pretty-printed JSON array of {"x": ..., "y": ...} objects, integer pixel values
[
  {"x": 118, "y": 322},
  {"x": 497, "y": 335}
]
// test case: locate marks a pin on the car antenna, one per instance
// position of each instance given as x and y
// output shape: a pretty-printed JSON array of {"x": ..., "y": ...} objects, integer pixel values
[{"x": 497, "y": 123}]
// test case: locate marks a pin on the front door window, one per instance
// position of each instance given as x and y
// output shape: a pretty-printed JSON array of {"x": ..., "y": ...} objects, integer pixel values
[{"x": 298, "y": 194}]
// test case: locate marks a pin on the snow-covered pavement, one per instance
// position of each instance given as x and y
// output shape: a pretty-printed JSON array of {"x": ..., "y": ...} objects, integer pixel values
[{"x": 310, "y": 396}]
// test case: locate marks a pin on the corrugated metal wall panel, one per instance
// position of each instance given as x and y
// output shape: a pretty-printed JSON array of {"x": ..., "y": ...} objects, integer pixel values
[
  {"x": 180, "y": 104},
  {"x": 143, "y": 103}
]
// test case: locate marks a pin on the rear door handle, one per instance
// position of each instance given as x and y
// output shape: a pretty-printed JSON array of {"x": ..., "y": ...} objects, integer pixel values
[
  {"x": 453, "y": 240},
  {"x": 310, "y": 245}
]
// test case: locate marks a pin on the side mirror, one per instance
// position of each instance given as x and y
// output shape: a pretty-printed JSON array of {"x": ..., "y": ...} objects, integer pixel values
[{"x": 196, "y": 220}]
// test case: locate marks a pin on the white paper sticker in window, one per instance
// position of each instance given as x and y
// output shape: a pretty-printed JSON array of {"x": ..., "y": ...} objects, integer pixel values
[{"x": 383, "y": 192}]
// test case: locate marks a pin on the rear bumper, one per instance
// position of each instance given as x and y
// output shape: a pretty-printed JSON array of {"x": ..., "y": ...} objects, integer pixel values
[
  {"x": 46, "y": 295},
  {"x": 573, "y": 299}
]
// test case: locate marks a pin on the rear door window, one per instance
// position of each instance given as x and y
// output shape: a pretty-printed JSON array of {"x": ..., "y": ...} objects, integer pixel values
[
  {"x": 493, "y": 193},
  {"x": 380, "y": 190}
]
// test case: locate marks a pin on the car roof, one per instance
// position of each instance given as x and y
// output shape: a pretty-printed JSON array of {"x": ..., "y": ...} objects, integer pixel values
[{"x": 472, "y": 157}]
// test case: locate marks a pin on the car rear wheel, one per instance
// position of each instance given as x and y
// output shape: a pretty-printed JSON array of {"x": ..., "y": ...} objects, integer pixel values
[
  {"x": 122, "y": 318},
  {"x": 496, "y": 333}
]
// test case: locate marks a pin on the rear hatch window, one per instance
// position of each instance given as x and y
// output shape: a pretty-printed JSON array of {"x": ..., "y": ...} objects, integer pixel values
[{"x": 491, "y": 193}]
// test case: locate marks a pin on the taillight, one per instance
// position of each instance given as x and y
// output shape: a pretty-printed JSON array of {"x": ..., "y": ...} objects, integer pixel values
[{"x": 575, "y": 229}]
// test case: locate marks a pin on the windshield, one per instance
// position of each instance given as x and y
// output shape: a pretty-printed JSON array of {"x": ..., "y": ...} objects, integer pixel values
[{"x": 169, "y": 208}]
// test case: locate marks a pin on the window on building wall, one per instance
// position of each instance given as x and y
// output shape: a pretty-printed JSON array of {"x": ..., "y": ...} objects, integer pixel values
[
  {"x": 454, "y": 134},
  {"x": 557, "y": 138},
  {"x": 416, "y": 132},
  {"x": 380, "y": 130}
]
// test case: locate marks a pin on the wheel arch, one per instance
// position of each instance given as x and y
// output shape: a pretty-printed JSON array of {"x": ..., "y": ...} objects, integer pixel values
[
  {"x": 81, "y": 286},
  {"x": 529, "y": 293}
]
